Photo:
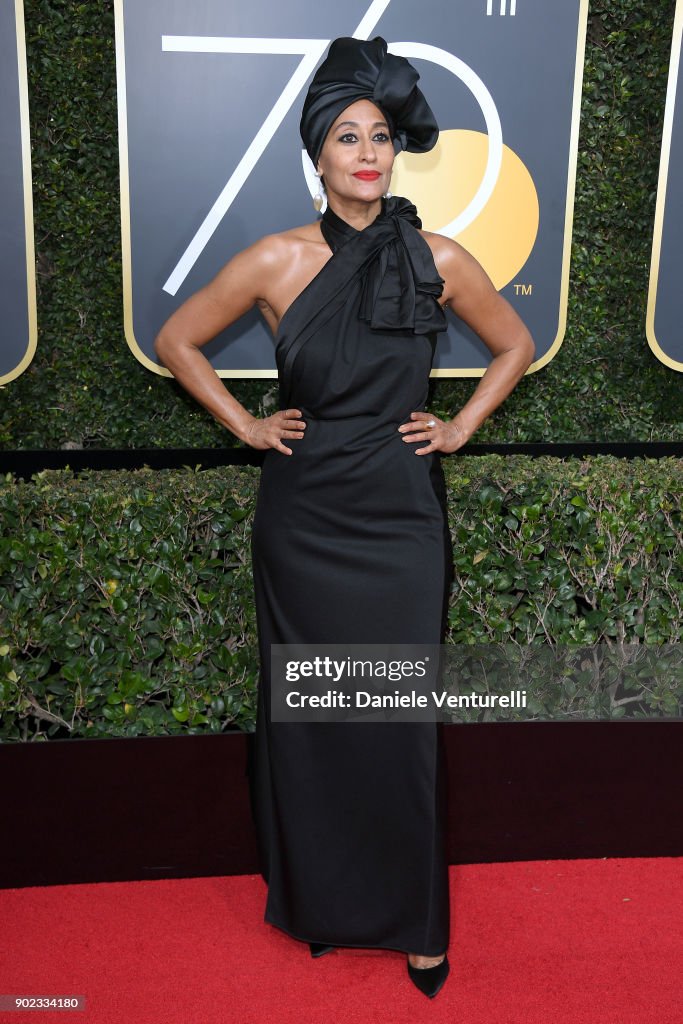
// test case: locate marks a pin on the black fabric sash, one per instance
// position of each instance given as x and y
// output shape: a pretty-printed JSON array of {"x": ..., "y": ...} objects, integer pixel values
[{"x": 401, "y": 285}]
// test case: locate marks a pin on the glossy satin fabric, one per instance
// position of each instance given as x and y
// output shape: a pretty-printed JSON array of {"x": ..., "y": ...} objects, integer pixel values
[
  {"x": 358, "y": 69},
  {"x": 350, "y": 544}
]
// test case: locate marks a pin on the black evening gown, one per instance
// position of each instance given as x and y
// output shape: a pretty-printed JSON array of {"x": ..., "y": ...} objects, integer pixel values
[{"x": 350, "y": 544}]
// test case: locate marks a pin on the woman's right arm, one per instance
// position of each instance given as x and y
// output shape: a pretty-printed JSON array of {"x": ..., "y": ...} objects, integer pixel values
[{"x": 235, "y": 289}]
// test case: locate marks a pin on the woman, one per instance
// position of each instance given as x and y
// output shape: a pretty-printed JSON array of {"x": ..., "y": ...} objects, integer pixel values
[{"x": 350, "y": 541}]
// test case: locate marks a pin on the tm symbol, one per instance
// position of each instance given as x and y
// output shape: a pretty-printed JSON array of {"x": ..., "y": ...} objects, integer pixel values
[{"x": 523, "y": 289}]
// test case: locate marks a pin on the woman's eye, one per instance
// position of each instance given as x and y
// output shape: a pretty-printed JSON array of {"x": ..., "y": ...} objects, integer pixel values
[{"x": 352, "y": 137}]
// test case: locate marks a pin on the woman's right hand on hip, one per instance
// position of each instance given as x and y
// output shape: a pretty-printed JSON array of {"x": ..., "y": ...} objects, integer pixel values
[{"x": 269, "y": 431}]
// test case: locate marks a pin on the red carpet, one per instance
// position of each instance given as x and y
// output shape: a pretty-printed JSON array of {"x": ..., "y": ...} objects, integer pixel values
[{"x": 536, "y": 942}]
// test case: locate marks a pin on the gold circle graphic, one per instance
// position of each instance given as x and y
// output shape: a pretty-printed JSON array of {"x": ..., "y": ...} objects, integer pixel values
[{"x": 444, "y": 181}]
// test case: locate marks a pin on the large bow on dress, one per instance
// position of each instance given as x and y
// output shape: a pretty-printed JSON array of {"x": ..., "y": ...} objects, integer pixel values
[{"x": 402, "y": 287}]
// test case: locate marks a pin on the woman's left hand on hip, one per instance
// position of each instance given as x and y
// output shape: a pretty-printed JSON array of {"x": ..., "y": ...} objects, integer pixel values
[{"x": 441, "y": 435}]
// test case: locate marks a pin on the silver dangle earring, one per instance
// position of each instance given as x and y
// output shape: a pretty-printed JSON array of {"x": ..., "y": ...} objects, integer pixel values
[{"x": 318, "y": 198}]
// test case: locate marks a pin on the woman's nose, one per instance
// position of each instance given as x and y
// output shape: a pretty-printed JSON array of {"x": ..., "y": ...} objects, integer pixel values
[{"x": 368, "y": 151}]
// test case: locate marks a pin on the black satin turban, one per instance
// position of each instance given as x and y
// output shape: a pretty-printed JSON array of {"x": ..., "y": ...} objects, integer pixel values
[{"x": 358, "y": 69}]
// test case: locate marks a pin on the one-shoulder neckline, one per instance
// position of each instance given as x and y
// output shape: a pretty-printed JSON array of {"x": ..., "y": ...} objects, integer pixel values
[
  {"x": 295, "y": 300},
  {"x": 396, "y": 225},
  {"x": 351, "y": 232}
]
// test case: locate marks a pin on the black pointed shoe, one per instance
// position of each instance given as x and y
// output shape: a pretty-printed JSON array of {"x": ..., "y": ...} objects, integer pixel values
[
  {"x": 429, "y": 979},
  {"x": 318, "y": 948}
]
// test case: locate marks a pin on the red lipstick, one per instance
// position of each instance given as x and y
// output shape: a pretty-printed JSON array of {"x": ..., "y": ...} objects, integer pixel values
[{"x": 367, "y": 175}]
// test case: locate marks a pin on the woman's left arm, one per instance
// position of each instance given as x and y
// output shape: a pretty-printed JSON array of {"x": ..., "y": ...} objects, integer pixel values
[{"x": 469, "y": 292}]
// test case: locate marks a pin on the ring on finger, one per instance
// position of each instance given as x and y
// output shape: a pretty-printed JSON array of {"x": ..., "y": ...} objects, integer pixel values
[{"x": 429, "y": 424}]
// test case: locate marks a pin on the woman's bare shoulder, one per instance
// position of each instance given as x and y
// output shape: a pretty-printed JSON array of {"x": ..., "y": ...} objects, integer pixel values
[
  {"x": 445, "y": 250},
  {"x": 458, "y": 267},
  {"x": 277, "y": 267},
  {"x": 285, "y": 246}
]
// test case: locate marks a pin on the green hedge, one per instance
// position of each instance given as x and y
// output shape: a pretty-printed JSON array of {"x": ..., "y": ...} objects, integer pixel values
[
  {"x": 85, "y": 389},
  {"x": 126, "y": 601}
]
